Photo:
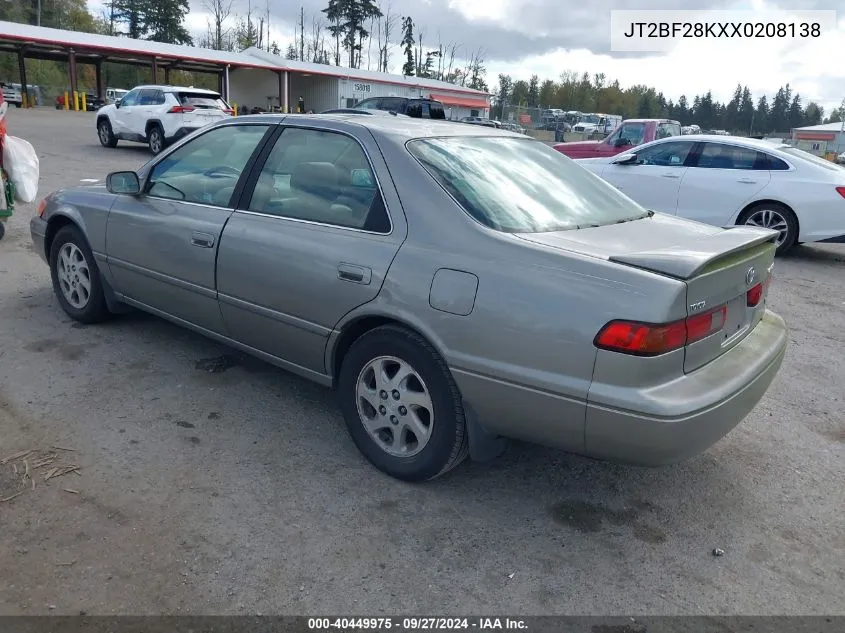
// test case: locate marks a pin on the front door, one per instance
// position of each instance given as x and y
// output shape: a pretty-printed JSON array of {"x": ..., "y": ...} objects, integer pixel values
[
  {"x": 311, "y": 241},
  {"x": 162, "y": 245},
  {"x": 655, "y": 179},
  {"x": 721, "y": 180},
  {"x": 124, "y": 112}
]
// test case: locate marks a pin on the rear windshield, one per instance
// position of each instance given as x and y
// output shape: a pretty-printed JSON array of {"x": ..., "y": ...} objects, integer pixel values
[
  {"x": 521, "y": 185},
  {"x": 816, "y": 160},
  {"x": 201, "y": 100}
]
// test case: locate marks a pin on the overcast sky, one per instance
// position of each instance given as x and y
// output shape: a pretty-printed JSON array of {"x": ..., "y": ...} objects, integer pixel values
[{"x": 546, "y": 37}]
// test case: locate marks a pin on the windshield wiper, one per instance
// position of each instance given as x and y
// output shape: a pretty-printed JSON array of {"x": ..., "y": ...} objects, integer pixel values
[{"x": 647, "y": 214}]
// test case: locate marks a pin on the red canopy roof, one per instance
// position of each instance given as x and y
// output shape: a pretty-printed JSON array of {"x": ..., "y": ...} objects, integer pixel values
[{"x": 463, "y": 102}]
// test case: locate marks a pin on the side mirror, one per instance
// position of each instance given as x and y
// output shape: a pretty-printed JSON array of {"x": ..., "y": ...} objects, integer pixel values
[
  {"x": 123, "y": 183},
  {"x": 625, "y": 159}
]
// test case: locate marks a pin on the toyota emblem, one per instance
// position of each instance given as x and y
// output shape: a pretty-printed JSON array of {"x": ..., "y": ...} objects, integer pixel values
[{"x": 750, "y": 276}]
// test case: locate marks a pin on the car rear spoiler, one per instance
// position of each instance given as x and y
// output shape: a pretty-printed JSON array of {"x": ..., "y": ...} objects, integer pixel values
[{"x": 682, "y": 262}]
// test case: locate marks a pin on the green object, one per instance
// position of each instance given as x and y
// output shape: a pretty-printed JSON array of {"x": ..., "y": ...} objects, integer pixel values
[{"x": 9, "y": 191}]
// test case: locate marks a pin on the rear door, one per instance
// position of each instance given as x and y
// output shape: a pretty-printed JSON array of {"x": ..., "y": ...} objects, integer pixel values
[
  {"x": 149, "y": 101},
  {"x": 721, "y": 180},
  {"x": 311, "y": 240},
  {"x": 162, "y": 245},
  {"x": 655, "y": 179}
]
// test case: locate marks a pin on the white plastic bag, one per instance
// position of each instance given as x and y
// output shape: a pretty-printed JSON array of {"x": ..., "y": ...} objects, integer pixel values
[{"x": 21, "y": 163}]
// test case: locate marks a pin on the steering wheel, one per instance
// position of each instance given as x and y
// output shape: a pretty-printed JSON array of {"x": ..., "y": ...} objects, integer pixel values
[{"x": 222, "y": 170}]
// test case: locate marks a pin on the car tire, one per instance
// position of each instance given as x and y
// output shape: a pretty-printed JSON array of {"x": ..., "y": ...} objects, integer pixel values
[
  {"x": 76, "y": 277},
  {"x": 427, "y": 401},
  {"x": 776, "y": 216},
  {"x": 2, "y": 229},
  {"x": 106, "y": 134},
  {"x": 155, "y": 138}
]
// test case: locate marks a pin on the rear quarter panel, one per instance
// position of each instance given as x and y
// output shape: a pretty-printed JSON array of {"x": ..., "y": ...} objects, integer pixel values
[{"x": 523, "y": 358}]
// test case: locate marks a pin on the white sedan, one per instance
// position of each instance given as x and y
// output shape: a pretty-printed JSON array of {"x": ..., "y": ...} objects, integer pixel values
[{"x": 730, "y": 180}]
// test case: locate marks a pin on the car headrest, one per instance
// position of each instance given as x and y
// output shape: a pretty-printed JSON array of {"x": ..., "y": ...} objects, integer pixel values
[{"x": 315, "y": 178}]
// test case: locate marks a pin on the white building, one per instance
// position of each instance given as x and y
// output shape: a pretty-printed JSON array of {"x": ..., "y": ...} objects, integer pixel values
[{"x": 253, "y": 78}]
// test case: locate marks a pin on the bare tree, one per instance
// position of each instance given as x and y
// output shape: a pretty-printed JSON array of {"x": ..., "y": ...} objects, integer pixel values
[
  {"x": 452, "y": 52},
  {"x": 370, "y": 38},
  {"x": 219, "y": 34},
  {"x": 385, "y": 46},
  {"x": 419, "y": 56},
  {"x": 302, "y": 33},
  {"x": 317, "y": 42}
]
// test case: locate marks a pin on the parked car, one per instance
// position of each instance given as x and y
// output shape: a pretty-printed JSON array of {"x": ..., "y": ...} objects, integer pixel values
[
  {"x": 630, "y": 133},
  {"x": 12, "y": 94},
  {"x": 597, "y": 123},
  {"x": 731, "y": 180},
  {"x": 159, "y": 115},
  {"x": 481, "y": 287},
  {"x": 416, "y": 107},
  {"x": 477, "y": 120},
  {"x": 113, "y": 95}
]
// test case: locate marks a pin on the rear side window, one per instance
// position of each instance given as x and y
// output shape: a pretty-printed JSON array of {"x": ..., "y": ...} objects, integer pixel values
[
  {"x": 719, "y": 156},
  {"x": 776, "y": 164},
  {"x": 394, "y": 104},
  {"x": 436, "y": 110},
  {"x": 201, "y": 100},
  {"x": 668, "y": 129}
]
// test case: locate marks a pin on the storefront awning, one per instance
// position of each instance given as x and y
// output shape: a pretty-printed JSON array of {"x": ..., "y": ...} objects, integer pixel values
[
  {"x": 814, "y": 136},
  {"x": 461, "y": 102}
]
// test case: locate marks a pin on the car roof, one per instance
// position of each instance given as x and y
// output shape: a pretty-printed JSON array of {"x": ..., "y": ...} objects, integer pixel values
[
  {"x": 397, "y": 128},
  {"x": 176, "y": 89},
  {"x": 740, "y": 141}
]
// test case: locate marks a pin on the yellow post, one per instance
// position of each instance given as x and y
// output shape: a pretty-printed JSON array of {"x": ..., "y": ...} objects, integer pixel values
[
  {"x": 67, "y": 100},
  {"x": 84, "y": 102},
  {"x": 235, "y": 108},
  {"x": 23, "y": 100},
  {"x": 76, "y": 101}
]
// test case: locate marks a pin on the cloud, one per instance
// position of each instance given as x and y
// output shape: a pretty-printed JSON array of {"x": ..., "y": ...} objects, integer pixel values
[{"x": 547, "y": 37}]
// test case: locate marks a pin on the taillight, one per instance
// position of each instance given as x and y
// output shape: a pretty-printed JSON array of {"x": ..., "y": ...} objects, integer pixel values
[
  {"x": 841, "y": 191},
  {"x": 179, "y": 109},
  {"x": 755, "y": 294},
  {"x": 229, "y": 111},
  {"x": 648, "y": 339},
  {"x": 42, "y": 207}
]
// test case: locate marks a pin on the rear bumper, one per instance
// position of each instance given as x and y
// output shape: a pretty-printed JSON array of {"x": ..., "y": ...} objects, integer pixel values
[{"x": 692, "y": 413}]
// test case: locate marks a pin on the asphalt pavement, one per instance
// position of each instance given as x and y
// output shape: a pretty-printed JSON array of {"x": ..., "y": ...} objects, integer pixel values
[{"x": 238, "y": 490}]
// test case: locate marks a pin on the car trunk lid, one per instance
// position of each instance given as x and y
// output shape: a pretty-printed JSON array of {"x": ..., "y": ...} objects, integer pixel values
[{"x": 718, "y": 266}]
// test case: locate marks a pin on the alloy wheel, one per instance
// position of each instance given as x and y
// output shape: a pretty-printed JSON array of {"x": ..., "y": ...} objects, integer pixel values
[
  {"x": 395, "y": 406},
  {"x": 74, "y": 276},
  {"x": 770, "y": 219}
]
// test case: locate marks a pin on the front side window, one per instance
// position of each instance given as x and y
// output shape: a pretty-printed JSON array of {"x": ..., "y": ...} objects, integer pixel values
[
  {"x": 665, "y": 154},
  {"x": 628, "y": 134},
  {"x": 130, "y": 99},
  {"x": 521, "y": 185},
  {"x": 368, "y": 104},
  {"x": 322, "y": 177},
  {"x": 206, "y": 169},
  {"x": 721, "y": 156}
]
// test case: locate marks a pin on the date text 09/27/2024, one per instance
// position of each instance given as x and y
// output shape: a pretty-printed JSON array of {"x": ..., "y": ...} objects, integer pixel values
[
  {"x": 723, "y": 30},
  {"x": 416, "y": 624}
]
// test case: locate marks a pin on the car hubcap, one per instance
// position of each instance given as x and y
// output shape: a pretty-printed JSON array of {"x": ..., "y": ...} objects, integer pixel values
[
  {"x": 395, "y": 406},
  {"x": 74, "y": 276},
  {"x": 104, "y": 134},
  {"x": 770, "y": 219}
]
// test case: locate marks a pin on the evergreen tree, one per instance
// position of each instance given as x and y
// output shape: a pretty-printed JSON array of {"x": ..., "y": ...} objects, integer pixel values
[
  {"x": 796, "y": 112},
  {"x": 761, "y": 116},
  {"x": 165, "y": 22},
  {"x": 407, "y": 44},
  {"x": 533, "y": 91}
]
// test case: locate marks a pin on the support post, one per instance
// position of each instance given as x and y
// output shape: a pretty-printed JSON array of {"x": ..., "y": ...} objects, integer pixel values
[
  {"x": 72, "y": 71},
  {"x": 155, "y": 71},
  {"x": 284, "y": 82},
  {"x": 167, "y": 75},
  {"x": 220, "y": 83},
  {"x": 226, "y": 84},
  {"x": 25, "y": 99},
  {"x": 98, "y": 71}
]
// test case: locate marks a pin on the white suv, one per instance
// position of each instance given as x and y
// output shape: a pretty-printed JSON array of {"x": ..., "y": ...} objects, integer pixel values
[
  {"x": 159, "y": 115},
  {"x": 11, "y": 94}
]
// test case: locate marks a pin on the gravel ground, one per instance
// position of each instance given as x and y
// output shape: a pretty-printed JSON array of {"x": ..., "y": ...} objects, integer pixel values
[{"x": 240, "y": 492}]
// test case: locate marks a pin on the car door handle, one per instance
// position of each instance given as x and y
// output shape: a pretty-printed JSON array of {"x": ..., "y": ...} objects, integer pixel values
[
  {"x": 353, "y": 273},
  {"x": 670, "y": 175},
  {"x": 203, "y": 240},
  {"x": 746, "y": 181}
]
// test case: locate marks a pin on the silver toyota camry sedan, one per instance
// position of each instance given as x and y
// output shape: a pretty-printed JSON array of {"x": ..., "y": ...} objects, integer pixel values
[{"x": 456, "y": 285}]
